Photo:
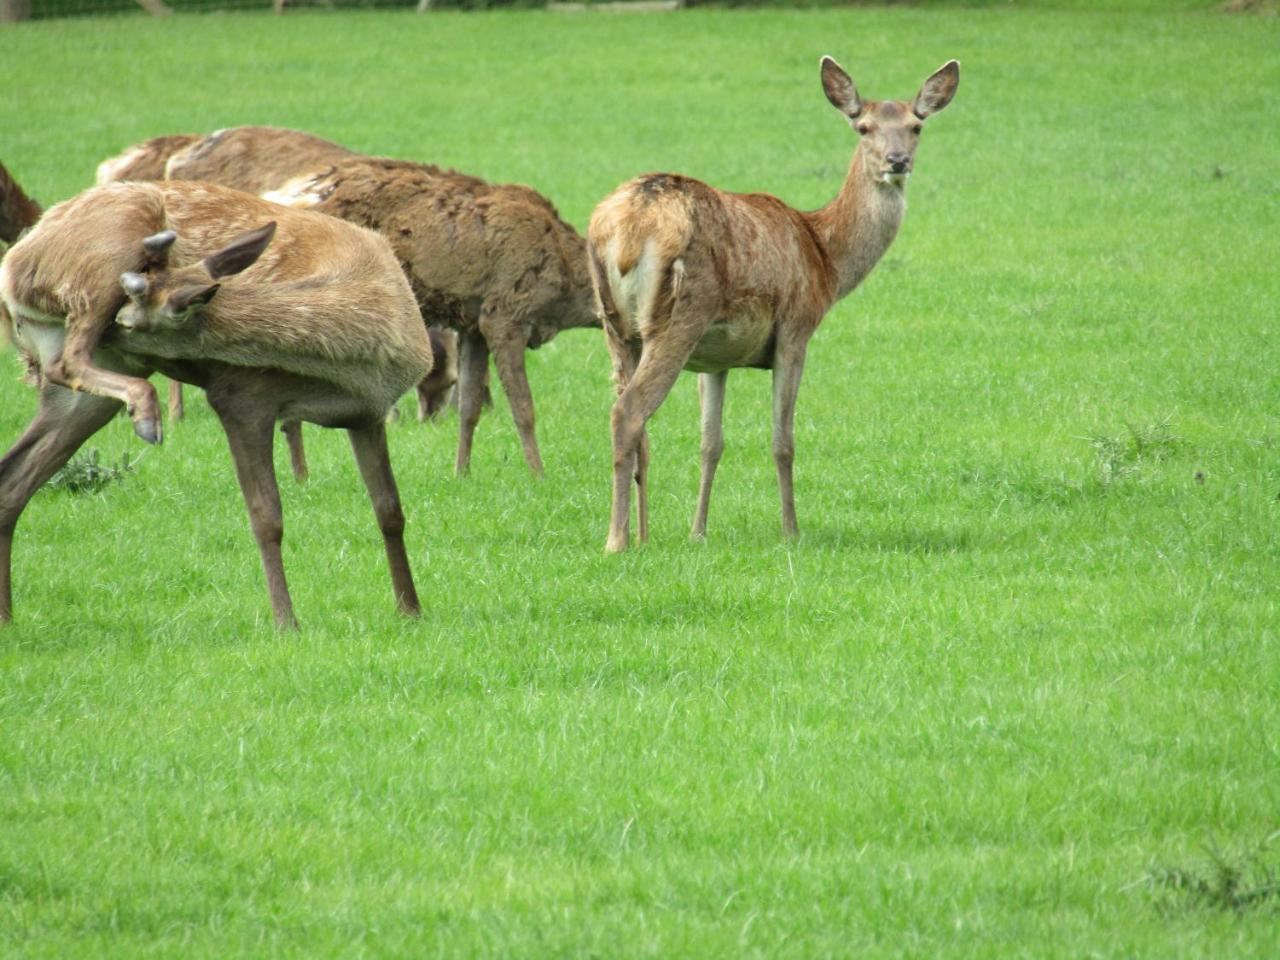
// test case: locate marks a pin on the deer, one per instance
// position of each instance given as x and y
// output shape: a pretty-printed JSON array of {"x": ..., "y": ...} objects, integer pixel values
[
  {"x": 495, "y": 262},
  {"x": 17, "y": 210},
  {"x": 691, "y": 277},
  {"x": 274, "y": 313},
  {"x": 255, "y": 159},
  {"x": 143, "y": 161}
]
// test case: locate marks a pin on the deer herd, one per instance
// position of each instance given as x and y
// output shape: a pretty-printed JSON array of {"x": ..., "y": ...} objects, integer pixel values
[{"x": 295, "y": 280}]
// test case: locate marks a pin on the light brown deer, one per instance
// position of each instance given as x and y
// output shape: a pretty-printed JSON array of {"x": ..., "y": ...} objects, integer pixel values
[
  {"x": 184, "y": 278},
  {"x": 255, "y": 159},
  {"x": 691, "y": 277},
  {"x": 493, "y": 261}
]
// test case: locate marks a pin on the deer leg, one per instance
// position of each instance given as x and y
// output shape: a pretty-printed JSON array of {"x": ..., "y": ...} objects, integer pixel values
[
  {"x": 63, "y": 422},
  {"x": 370, "y": 447},
  {"x": 249, "y": 436},
  {"x": 711, "y": 400},
  {"x": 508, "y": 355},
  {"x": 655, "y": 374},
  {"x": 74, "y": 368},
  {"x": 788, "y": 365},
  {"x": 292, "y": 430},
  {"x": 176, "y": 410},
  {"x": 473, "y": 366}
]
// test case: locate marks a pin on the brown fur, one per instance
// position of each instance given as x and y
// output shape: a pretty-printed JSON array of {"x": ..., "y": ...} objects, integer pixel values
[
  {"x": 493, "y": 261},
  {"x": 145, "y": 160},
  {"x": 691, "y": 277},
  {"x": 320, "y": 326},
  {"x": 252, "y": 159}
]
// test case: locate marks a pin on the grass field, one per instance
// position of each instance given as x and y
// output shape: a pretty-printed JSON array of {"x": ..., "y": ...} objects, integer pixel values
[{"x": 1012, "y": 693}]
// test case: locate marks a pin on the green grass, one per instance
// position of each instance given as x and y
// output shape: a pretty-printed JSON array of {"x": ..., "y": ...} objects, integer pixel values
[{"x": 1020, "y": 670}]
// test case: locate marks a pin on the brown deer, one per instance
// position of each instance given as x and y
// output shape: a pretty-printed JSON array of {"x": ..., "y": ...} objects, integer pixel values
[
  {"x": 493, "y": 261},
  {"x": 691, "y": 277},
  {"x": 185, "y": 278},
  {"x": 17, "y": 210},
  {"x": 255, "y": 159},
  {"x": 143, "y": 161}
]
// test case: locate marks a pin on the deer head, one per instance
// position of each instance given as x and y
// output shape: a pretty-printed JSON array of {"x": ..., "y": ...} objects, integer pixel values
[
  {"x": 163, "y": 299},
  {"x": 889, "y": 129}
]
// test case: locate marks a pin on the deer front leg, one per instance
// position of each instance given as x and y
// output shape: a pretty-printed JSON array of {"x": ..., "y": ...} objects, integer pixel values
[
  {"x": 508, "y": 355},
  {"x": 74, "y": 368},
  {"x": 370, "y": 447},
  {"x": 788, "y": 365},
  {"x": 292, "y": 430},
  {"x": 63, "y": 422},
  {"x": 249, "y": 435},
  {"x": 473, "y": 365},
  {"x": 711, "y": 400}
]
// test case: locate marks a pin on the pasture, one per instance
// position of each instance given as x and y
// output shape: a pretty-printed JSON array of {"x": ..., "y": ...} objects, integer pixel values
[{"x": 1013, "y": 692}]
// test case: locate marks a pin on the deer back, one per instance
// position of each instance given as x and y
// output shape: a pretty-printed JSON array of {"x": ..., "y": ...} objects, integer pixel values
[{"x": 253, "y": 159}]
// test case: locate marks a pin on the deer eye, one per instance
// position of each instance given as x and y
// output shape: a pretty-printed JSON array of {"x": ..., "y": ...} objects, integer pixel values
[
  {"x": 917, "y": 127},
  {"x": 863, "y": 128}
]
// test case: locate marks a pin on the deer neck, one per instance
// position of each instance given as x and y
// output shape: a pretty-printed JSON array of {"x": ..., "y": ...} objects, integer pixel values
[{"x": 857, "y": 227}]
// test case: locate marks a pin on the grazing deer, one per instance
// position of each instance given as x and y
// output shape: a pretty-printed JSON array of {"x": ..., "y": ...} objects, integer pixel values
[
  {"x": 185, "y": 278},
  {"x": 493, "y": 261},
  {"x": 143, "y": 161},
  {"x": 691, "y": 277}
]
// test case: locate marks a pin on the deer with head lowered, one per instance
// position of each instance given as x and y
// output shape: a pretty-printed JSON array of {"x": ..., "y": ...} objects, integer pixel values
[
  {"x": 255, "y": 159},
  {"x": 275, "y": 313},
  {"x": 691, "y": 277},
  {"x": 492, "y": 261}
]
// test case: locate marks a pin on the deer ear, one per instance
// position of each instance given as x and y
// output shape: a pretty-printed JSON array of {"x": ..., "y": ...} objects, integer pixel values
[
  {"x": 241, "y": 253},
  {"x": 937, "y": 90},
  {"x": 191, "y": 298},
  {"x": 839, "y": 88}
]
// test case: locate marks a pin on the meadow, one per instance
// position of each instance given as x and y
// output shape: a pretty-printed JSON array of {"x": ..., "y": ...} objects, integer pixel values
[{"x": 1012, "y": 693}]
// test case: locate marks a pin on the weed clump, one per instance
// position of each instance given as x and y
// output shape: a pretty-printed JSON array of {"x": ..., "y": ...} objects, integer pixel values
[
  {"x": 1224, "y": 881},
  {"x": 87, "y": 473}
]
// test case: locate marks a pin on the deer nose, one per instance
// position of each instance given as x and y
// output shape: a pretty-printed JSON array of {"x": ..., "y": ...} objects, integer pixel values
[{"x": 899, "y": 162}]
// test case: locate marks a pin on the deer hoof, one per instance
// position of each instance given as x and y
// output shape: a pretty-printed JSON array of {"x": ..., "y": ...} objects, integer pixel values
[{"x": 148, "y": 430}]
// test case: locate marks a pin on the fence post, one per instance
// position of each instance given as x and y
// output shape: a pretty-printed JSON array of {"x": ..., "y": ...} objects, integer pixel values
[{"x": 11, "y": 11}]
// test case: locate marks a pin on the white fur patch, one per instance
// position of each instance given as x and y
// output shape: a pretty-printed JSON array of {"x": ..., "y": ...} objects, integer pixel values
[
  {"x": 301, "y": 192},
  {"x": 109, "y": 170}
]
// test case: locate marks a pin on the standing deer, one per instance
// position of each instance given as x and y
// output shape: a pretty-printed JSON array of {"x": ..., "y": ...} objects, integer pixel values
[
  {"x": 493, "y": 261},
  {"x": 691, "y": 277},
  {"x": 185, "y": 278},
  {"x": 255, "y": 159}
]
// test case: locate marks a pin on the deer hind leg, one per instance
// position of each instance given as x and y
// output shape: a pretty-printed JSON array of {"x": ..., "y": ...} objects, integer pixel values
[
  {"x": 370, "y": 447},
  {"x": 660, "y": 364},
  {"x": 176, "y": 409},
  {"x": 74, "y": 367},
  {"x": 711, "y": 388},
  {"x": 508, "y": 356},
  {"x": 473, "y": 367},
  {"x": 787, "y": 368},
  {"x": 249, "y": 434},
  {"x": 63, "y": 422},
  {"x": 292, "y": 430}
]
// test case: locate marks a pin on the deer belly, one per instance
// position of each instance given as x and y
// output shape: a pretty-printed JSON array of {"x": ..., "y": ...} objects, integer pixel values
[
  {"x": 38, "y": 336},
  {"x": 736, "y": 342}
]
